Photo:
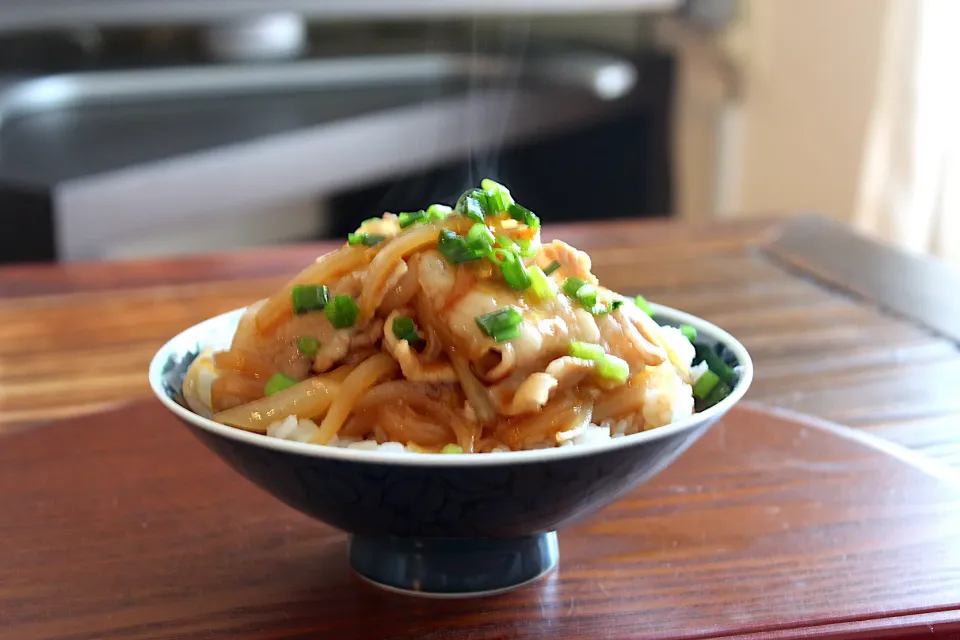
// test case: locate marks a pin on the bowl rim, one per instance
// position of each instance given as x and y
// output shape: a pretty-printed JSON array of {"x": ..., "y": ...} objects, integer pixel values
[{"x": 673, "y": 316}]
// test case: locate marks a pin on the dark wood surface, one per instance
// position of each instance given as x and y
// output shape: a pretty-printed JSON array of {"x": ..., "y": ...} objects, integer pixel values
[
  {"x": 803, "y": 295},
  {"x": 123, "y": 526}
]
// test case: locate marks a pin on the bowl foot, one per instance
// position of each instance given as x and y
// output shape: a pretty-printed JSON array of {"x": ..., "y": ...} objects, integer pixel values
[{"x": 452, "y": 568}]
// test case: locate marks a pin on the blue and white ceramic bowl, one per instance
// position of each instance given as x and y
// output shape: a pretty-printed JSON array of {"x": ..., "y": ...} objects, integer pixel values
[{"x": 444, "y": 525}]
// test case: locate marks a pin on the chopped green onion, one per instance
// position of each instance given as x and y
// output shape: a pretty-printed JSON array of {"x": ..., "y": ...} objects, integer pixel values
[
  {"x": 369, "y": 220},
  {"x": 438, "y": 212},
  {"x": 473, "y": 205},
  {"x": 514, "y": 272},
  {"x": 714, "y": 362},
  {"x": 612, "y": 368},
  {"x": 366, "y": 239},
  {"x": 572, "y": 285},
  {"x": 506, "y": 242},
  {"x": 408, "y": 218},
  {"x": 641, "y": 302},
  {"x": 404, "y": 329},
  {"x": 688, "y": 332},
  {"x": 451, "y": 448},
  {"x": 553, "y": 266},
  {"x": 708, "y": 380},
  {"x": 480, "y": 238},
  {"x": 604, "y": 309},
  {"x": 721, "y": 391},
  {"x": 500, "y": 321},
  {"x": 455, "y": 249},
  {"x": 277, "y": 383},
  {"x": 498, "y": 196},
  {"x": 490, "y": 185},
  {"x": 524, "y": 215},
  {"x": 308, "y": 345},
  {"x": 309, "y": 297},
  {"x": 342, "y": 312},
  {"x": 507, "y": 334},
  {"x": 587, "y": 295},
  {"x": 543, "y": 286},
  {"x": 587, "y": 351},
  {"x": 526, "y": 248}
]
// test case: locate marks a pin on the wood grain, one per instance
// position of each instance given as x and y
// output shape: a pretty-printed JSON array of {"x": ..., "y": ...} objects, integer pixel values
[
  {"x": 912, "y": 286},
  {"x": 77, "y": 338},
  {"x": 124, "y": 527}
]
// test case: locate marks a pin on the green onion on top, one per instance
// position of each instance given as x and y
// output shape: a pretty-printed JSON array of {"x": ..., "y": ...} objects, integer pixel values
[
  {"x": 587, "y": 350},
  {"x": 451, "y": 448},
  {"x": 553, "y": 266},
  {"x": 502, "y": 324},
  {"x": 543, "y": 286},
  {"x": 308, "y": 345},
  {"x": 309, "y": 297},
  {"x": 497, "y": 194},
  {"x": 612, "y": 368},
  {"x": 606, "y": 366},
  {"x": 404, "y": 329},
  {"x": 366, "y": 239},
  {"x": 438, "y": 212},
  {"x": 342, "y": 312},
  {"x": 514, "y": 271},
  {"x": 690, "y": 333},
  {"x": 705, "y": 384},
  {"x": 473, "y": 205},
  {"x": 480, "y": 238},
  {"x": 408, "y": 218},
  {"x": 455, "y": 249},
  {"x": 644, "y": 306},
  {"x": 277, "y": 383},
  {"x": 522, "y": 214}
]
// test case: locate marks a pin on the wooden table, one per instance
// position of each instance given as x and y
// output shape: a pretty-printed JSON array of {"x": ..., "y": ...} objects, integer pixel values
[{"x": 120, "y": 525}]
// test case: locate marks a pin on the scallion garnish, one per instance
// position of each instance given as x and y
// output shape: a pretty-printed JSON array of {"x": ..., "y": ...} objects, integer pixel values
[
  {"x": 342, "y": 312},
  {"x": 721, "y": 391},
  {"x": 525, "y": 246},
  {"x": 498, "y": 196},
  {"x": 587, "y": 295},
  {"x": 438, "y": 212},
  {"x": 309, "y": 297},
  {"x": 714, "y": 362},
  {"x": 480, "y": 238},
  {"x": 404, "y": 329},
  {"x": 506, "y": 242},
  {"x": 455, "y": 249},
  {"x": 705, "y": 384},
  {"x": 501, "y": 324},
  {"x": 572, "y": 285},
  {"x": 366, "y": 239},
  {"x": 521, "y": 214},
  {"x": 408, "y": 218},
  {"x": 514, "y": 271},
  {"x": 507, "y": 334},
  {"x": 612, "y": 368},
  {"x": 553, "y": 266},
  {"x": 641, "y": 302},
  {"x": 277, "y": 383},
  {"x": 587, "y": 351},
  {"x": 451, "y": 448},
  {"x": 308, "y": 345},
  {"x": 543, "y": 287},
  {"x": 473, "y": 205},
  {"x": 690, "y": 333}
]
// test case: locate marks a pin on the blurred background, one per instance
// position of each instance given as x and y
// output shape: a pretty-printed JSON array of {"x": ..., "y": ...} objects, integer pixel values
[{"x": 136, "y": 128}]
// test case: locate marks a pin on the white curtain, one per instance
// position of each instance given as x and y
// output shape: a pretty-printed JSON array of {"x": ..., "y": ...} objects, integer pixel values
[{"x": 910, "y": 186}]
